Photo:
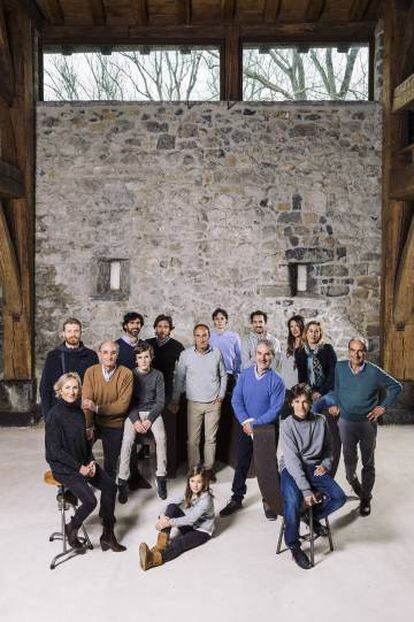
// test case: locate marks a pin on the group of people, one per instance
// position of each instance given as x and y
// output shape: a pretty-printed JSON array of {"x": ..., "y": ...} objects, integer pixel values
[{"x": 131, "y": 385}]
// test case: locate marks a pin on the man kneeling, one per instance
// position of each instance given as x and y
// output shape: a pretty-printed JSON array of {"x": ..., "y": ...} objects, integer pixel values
[{"x": 305, "y": 464}]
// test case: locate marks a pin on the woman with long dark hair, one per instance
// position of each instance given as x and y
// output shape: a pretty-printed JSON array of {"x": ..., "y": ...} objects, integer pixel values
[{"x": 288, "y": 367}]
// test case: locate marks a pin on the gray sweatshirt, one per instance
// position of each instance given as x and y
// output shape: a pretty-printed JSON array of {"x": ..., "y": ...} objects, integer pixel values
[
  {"x": 305, "y": 442},
  {"x": 202, "y": 376},
  {"x": 200, "y": 514},
  {"x": 148, "y": 395}
]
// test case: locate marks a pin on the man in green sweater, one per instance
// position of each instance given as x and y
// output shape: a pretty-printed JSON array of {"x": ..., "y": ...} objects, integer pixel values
[{"x": 358, "y": 384}]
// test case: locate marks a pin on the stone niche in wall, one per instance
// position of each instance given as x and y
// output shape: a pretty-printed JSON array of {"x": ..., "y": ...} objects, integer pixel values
[{"x": 208, "y": 204}]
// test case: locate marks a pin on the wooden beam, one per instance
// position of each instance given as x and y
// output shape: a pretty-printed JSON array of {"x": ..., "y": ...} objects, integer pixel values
[
  {"x": 402, "y": 183},
  {"x": 228, "y": 10},
  {"x": 319, "y": 32},
  {"x": 271, "y": 11},
  {"x": 404, "y": 95},
  {"x": 6, "y": 65},
  {"x": 404, "y": 285},
  {"x": 232, "y": 65},
  {"x": 98, "y": 12},
  {"x": 406, "y": 45},
  {"x": 184, "y": 12},
  {"x": 54, "y": 13},
  {"x": 9, "y": 269},
  {"x": 140, "y": 9},
  {"x": 358, "y": 10},
  {"x": 31, "y": 8},
  {"x": 314, "y": 10},
  {"x": 11, "y": 180}
]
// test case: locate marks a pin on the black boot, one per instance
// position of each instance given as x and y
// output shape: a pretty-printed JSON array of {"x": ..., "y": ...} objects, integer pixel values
[
  {"x": 109, "y": 541},
  {"x": 122, "y": 490},
  {"x": 72, "y": 538}
]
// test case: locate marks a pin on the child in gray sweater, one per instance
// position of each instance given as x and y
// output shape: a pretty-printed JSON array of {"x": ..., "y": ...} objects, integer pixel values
[
  {"x": 305, "y": 465},
  {"x": 193, "y": 516},
  {"x": 145, "y": 415}
]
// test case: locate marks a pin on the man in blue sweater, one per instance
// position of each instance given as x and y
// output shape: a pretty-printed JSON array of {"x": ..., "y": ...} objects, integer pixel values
[
  {"x": 257, "y": 400},
  {"x": 357, "y": 396}
]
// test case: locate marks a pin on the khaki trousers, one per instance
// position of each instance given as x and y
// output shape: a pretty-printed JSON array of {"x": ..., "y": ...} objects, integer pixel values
[
  {"x": 160, "y": 438},
  {"x": 197, "y": 414}
]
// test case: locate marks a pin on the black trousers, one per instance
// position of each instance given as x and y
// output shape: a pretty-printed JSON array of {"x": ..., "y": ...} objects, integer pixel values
[
  {"x": 244, "y": 458},
  {"x": 111, "y": 442},
  {"x": 80, "y": 486},
  {"x": 188, "y": 539}
]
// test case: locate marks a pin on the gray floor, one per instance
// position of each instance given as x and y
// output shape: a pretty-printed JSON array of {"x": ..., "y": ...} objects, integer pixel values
[{"x": 236, "y": 576}]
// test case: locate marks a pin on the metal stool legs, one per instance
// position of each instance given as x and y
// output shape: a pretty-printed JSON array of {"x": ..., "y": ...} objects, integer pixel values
[
  {"x": 310, "y": 536},
  {"x": 67, "y": 552}
]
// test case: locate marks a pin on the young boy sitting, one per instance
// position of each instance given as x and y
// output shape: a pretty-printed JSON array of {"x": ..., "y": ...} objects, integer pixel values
[
  {"x": 305, "y": 465},
  {"x": 144, "y": 415}
]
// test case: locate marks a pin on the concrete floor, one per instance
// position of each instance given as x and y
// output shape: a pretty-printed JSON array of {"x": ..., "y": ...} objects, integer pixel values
[{"x": 234, "y": 577}]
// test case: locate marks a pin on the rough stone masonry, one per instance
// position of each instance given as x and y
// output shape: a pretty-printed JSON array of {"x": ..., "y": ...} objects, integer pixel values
[{"x": 208, "y": 204}]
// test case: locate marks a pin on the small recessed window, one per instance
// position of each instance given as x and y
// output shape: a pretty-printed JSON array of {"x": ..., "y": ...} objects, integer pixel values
[
  {"x": 298, "y": 278},
  {"x": 112, "y": 279}
]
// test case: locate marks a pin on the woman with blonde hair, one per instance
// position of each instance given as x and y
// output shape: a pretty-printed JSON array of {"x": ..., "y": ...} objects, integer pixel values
[
  {"x": 69, "y": 455},
  {"x": 316, "y": 362}
]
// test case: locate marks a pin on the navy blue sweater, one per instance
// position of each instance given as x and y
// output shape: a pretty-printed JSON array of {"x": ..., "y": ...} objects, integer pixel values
[{"x": 60, "y": 361}]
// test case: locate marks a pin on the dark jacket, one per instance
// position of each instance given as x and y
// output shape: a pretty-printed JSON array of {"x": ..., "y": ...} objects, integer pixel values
[
  {"x": 60, "y": 361},
  {"x": 65, "y": 438},
  {"x": 126, "y": 356},
  {"x": 327, "y": 358},
  {"x": 165, "y": 358}
]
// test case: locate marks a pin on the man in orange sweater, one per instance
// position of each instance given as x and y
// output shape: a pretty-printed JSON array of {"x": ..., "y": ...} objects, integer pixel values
[{"x": 106, "y": 394}]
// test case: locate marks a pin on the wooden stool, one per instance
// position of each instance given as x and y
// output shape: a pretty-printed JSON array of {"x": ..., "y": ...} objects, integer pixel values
[
  {"x": 310, "y": 536},
  {"x": 65, "y": 502}
]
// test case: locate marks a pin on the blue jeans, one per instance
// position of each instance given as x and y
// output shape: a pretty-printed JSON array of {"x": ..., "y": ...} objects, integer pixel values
[
  {"x": 333, "y": 498},
  {"x": 323, "y": 402}
]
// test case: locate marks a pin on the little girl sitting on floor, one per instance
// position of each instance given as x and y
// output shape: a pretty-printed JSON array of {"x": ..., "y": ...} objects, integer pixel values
[{"x": 194, "y": 517}]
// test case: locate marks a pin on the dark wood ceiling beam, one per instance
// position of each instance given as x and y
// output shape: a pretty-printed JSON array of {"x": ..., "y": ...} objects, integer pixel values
[
  {"x": 184, "y": 12},
  {"x": 271, "y": 11},
  {"x": 98, "y": 12},
  {"x": 140, "y": 8},
  {"x": 301, "y": 32},
  {"x": 228, "y": 10},
  {"x": 358, "y": 10},
  {"x": 31, "y": 8},
  {"x": 54, "y": 13},
  {"x": 314, "y": 10}
]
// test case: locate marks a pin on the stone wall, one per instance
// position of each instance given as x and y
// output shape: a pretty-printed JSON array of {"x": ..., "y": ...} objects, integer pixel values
[{"x": 206, "y": 205}]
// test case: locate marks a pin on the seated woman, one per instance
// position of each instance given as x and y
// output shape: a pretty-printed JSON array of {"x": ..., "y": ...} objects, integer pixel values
[
  {"x": 304, "y": 470},
  {"x": 145, "y": 414},
  {"x": 69, "y": 455},
  {"x": 316, "y": 362}
]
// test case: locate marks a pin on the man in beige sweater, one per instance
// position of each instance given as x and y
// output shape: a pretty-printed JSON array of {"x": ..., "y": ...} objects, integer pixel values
[{"x": 106, "y": 393}]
